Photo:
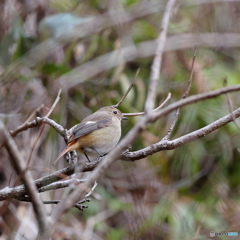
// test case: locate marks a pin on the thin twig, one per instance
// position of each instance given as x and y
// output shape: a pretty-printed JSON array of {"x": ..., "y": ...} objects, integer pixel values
[
  {"x": 38, "y": 122},
  {"x": 191, "y": 74},
  {"x": 177, "y": 114},
  {"x": 157, "y": 61},
  {"x": 42, "y": 127},
  {"x": 61, "y": 184},
  {"x": 129, "y": 88},
  {"x": 91, "y": 191},
  {"x": 79, "y": 205},
  {"x": 192, "y": 99},
  {"x": 156, "y": 109},
  {"x": 54, "y": 104},
  {"x": 230, "y": 105},
  {"x": 33, "y": 115}
]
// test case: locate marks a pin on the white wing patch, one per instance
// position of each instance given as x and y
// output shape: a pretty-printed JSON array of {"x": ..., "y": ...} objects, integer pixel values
[{"x": 89, "y": 122}]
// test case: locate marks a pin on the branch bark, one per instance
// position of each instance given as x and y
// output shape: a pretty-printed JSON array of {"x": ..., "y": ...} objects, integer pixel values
[
  {"x": 178, "y": 142},
  {"x": 157, "y": 61},
  {"x": 20, "y": 168}
]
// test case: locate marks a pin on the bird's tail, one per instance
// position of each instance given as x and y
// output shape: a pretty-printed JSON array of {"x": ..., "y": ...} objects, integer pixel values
[{"x": 67, "y": 149}]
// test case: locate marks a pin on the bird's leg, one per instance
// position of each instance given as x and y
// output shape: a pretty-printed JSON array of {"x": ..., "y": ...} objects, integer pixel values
[{"x": 86, "y": 155}]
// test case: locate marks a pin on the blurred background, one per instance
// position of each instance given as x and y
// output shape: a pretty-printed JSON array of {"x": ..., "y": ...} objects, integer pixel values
[{"x": 92, "y": 50}]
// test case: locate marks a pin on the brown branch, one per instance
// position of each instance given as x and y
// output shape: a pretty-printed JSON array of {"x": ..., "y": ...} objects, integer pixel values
[
  {"x": 167, "y": 136},
  {"x": 229, "y": 104},
  {"x": 34, "y": 114},
  {"x": 42, "y": 127},
  {"x": 172, "y": 144},
  {"x": 38, "y": 122},
  {"x": 157, "y": 61},
  {"x": 192, "y": 99},
  {"x": 61, "y": 184},
  {"x": 54, "y": 104},
  {"x": 44, "y": 183},
  {"x": 79, "y": 205},
  {"x": 19, "y": 166},
  {"x": 128, "y": 90}
]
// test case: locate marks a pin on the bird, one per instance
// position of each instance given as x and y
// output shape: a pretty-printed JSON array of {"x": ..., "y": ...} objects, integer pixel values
[{"x": 97, "y": 134}]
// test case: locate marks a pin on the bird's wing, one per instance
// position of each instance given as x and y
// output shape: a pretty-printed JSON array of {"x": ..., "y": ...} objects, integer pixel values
[{"x": 89, "y": 126}]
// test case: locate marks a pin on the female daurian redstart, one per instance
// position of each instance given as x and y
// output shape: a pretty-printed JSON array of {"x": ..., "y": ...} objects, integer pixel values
[{"x": 97, "y": 134}]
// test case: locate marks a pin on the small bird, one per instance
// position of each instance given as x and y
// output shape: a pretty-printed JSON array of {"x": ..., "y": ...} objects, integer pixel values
[{"x": 97, "y": 134}]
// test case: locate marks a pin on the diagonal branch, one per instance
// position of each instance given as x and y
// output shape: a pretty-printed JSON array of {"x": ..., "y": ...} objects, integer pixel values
[
  {"x": 38, "y": 122},
  {"x": 157, "y": 61},
  {"x": 178, "y": 142},
  {"x": 27, "y": 178},
  {"x": 68, "y": 202},
  {"x": 128, "y": 90}
]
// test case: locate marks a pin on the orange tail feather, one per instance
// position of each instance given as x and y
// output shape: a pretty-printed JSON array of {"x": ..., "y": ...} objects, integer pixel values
[{"x": 67, "y": 149}]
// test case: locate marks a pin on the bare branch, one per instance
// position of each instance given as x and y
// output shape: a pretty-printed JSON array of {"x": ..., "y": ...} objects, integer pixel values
[
  {"x": 61, "y": 184},
  {"x": 54, "y": 104},
  {"x": 191, "y": 74},
  {"x": 183, "y": 96},
  {"x": 172, "y": 144},
  {"x": 129, "y": 88},
  {"x": 156, "y": 109},
  {"x": 38, "y": 122},
  {"x": 48, "y": 181},
  {"x": 157, "y": 61},
  {"x": 79, "y": 205},
  {"x": 192, "y": 99},
  {"x": 229, "y": 103},
  {"x": 33, "y": 115},
  {"x": 31, "y": 189}
]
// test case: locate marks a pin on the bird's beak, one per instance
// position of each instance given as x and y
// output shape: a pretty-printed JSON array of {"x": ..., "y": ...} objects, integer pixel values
[{"x": 124, "y": 118}]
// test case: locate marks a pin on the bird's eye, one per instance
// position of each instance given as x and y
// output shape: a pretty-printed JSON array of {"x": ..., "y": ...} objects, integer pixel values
[{"x": 115, "y": 112}]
